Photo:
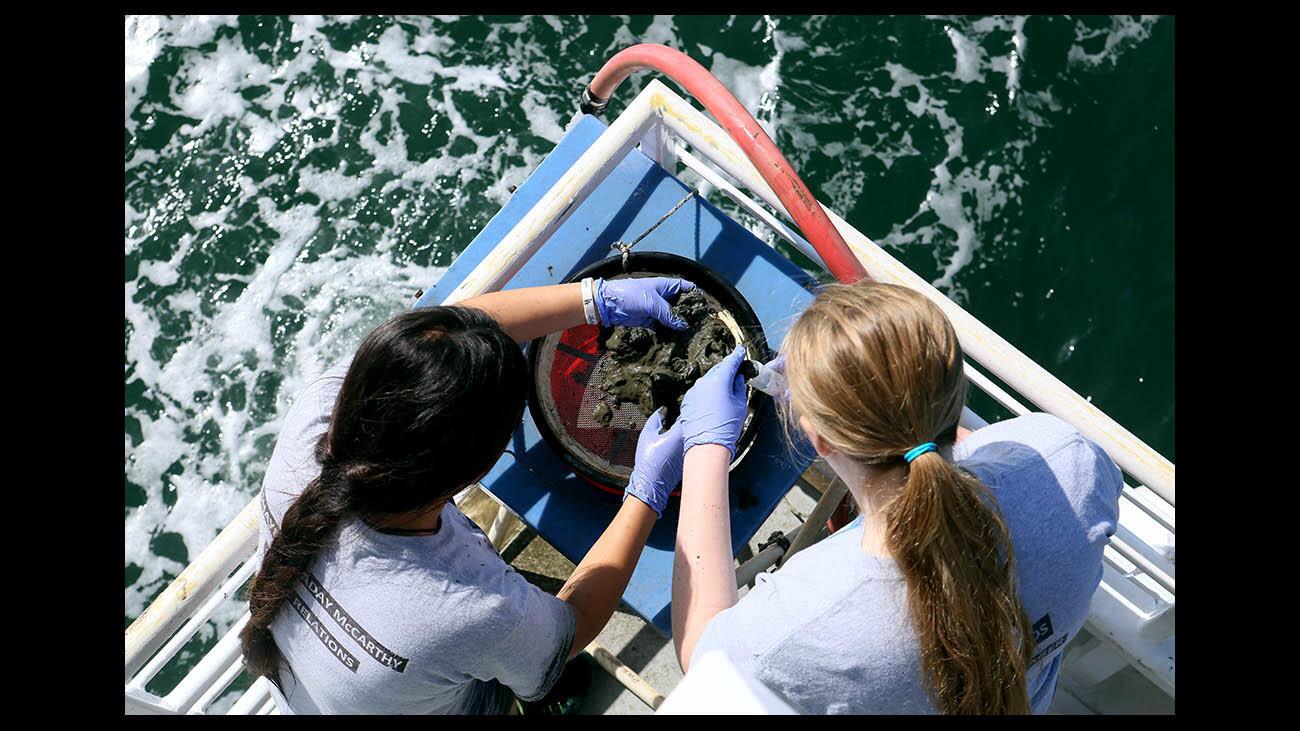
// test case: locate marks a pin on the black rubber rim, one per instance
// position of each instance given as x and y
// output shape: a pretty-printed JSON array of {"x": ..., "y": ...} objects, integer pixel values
[{"x": 670, "y": 264}]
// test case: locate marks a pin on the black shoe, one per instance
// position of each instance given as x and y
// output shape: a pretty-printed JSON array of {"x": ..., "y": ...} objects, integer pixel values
[{"x": 569, "y": 692}]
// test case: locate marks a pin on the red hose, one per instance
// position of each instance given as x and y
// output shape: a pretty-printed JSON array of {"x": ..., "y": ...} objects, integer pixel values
[{"x": 742, "y": 127}]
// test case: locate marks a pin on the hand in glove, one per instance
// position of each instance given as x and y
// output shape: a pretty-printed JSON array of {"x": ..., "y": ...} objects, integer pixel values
[
  {"x": 658, "y": 466},
  {"x": 713, "y": 411},
  {"x": 640, "y": 301}
]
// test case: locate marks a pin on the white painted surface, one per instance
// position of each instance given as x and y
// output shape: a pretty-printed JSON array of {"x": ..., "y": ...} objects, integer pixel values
[{"x": 715, "y": 686}]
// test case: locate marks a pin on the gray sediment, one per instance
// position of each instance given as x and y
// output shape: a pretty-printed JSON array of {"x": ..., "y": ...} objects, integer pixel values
[{"x": 655, "y": 367}]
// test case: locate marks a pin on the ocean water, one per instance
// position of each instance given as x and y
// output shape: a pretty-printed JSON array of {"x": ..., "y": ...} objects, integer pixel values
[{"x": 292, "y": 181}]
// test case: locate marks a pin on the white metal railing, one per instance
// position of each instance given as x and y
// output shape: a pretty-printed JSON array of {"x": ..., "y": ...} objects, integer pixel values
[
  {"x": 1133, "y": 610},
  {"x": 194, "y": 585},
  {"x": 196, "y": 621}
]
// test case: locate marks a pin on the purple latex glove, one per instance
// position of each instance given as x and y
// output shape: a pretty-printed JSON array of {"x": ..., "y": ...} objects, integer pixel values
[
  {"x": 639, "y": 301},
  {"x": 713, "y": 411},
  {"x": 658, "y": 466}
]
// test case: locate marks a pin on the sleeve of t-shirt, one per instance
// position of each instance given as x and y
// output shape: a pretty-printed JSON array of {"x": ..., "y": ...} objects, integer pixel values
[
  {"x": 530, "y": 658},
  {"x": 1085, "y": 474},
  {"x": 293, "y": 461}
]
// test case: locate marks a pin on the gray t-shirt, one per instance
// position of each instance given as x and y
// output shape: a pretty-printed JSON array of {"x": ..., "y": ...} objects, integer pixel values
[
  {"x": 387, "y": 623},
  {"x": 830, "y": 630}
]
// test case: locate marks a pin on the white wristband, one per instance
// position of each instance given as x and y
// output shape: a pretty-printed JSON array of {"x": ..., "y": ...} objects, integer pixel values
[{"x": 589, "y": 302}]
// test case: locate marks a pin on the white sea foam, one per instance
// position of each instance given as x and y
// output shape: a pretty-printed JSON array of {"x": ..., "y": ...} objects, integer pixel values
[
  {"x": 756, "y": 87},
  {"x": 543, "y": 120},
  {"x": 339, "y": 294},
  {"x": 331, "y": 185},
  {"x": 146, "y": 35},
  {"x": 662, "y": 30},
  {"x": 1015, "y": 58},
  {"x": 142, "y": 45},
  {"x": 969, "y": 56},
  {"x": 304, "y": 27},
  {"x": 341, "y": 297},
  {"x": 966, "y": 194},
  {"x": 1123, "y": 32},
  {"x": 212, "y": 93},
  {"x": 189, "y": 31},
  {"x": 948, "y": 192}
]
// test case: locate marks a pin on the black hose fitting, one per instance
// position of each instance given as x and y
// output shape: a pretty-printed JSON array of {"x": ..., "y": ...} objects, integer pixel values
[
  {"x": 589, "y": 103},
  {"x": 778, "y": 538}
]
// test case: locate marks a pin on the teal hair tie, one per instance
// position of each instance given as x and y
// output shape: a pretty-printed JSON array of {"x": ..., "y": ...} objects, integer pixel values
[{"x": 919, "y": 450}]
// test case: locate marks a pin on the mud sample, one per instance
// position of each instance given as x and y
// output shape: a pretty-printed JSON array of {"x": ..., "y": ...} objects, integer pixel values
[
  {"x": 654, "y": 367},
  {"x": 603, "y": 414}
]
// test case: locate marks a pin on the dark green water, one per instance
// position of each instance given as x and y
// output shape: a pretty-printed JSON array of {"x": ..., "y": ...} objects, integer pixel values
[{"x": 290, "y": 182}]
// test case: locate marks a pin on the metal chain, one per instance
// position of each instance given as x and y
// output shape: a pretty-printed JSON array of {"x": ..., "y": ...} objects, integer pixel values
[{"x": 625, "y": 248}]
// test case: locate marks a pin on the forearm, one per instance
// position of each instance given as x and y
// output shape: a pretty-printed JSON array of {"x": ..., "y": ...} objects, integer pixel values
[
  {"x": 704, "y": 579},
  {"x": 597, "y": 584},
  {"x": 532, "y": 312}
]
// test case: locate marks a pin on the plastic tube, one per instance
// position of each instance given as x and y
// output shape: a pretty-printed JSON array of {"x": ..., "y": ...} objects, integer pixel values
[{"x": 764, "y": 379}]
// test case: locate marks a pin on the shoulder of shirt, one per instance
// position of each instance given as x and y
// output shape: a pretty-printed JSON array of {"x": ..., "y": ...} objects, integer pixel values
[
  {"x": 1051, "y": 438},
  {"x": 314, "y": 403},
  {"x": 332, "y": 378},
  {"x": 500, "y": 584}
]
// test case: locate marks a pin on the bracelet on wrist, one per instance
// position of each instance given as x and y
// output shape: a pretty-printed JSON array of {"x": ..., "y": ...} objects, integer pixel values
[{"x": 589, "y": 311}]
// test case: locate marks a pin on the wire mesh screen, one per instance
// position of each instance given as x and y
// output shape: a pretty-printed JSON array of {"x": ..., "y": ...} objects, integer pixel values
[{"x": 570, "y": 368}]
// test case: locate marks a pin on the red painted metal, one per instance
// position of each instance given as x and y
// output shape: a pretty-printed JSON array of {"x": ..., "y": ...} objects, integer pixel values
[{"x": 743, "y": 128}]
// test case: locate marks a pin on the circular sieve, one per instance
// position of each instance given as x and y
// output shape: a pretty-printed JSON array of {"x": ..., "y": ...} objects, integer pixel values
[{"x": 569, "y": 367}]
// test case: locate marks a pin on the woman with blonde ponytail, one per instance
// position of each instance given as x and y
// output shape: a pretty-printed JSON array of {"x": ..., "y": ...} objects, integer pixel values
[{"x": 973, "y": 559}]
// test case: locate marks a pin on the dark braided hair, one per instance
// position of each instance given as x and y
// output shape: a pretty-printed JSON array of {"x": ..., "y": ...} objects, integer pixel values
[{"x": 425, "y": 409}]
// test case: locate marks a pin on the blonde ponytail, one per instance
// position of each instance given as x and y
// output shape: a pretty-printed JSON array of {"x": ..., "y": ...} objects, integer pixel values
[{"x": 954, "y": 550}]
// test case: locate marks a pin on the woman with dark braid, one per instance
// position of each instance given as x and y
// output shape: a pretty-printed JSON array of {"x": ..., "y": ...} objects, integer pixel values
[
  {"x": 375, "y": 594},
  {"x": 975, "y": 555}
]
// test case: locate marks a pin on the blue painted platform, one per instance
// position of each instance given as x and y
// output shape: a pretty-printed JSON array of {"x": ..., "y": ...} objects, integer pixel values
[{"x": 534, "y": 481}]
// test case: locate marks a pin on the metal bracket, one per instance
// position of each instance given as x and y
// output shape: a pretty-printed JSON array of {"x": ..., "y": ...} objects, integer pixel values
[{"x": 589, "y": 103}]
